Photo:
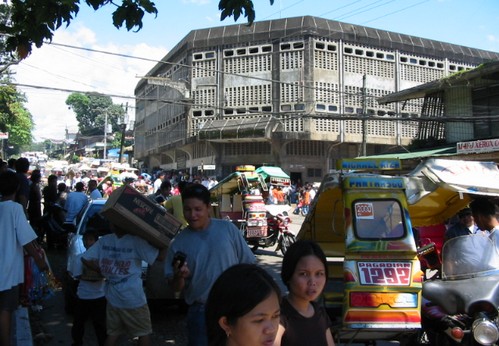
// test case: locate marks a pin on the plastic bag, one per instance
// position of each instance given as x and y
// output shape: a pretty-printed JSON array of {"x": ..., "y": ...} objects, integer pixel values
[{"x": 38, "y": 285}]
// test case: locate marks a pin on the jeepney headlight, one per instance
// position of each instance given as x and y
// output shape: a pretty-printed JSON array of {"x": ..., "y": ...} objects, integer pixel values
[{"x": 485, "y": 331}]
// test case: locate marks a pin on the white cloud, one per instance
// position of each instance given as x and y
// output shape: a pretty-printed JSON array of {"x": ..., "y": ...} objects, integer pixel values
[
  {"x": 493, "y": 38},
  {"x": 67, "y": 68}
]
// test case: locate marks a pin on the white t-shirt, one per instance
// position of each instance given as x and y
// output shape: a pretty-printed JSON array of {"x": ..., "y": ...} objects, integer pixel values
[
  {"x": 312, "y": 194},
  {"x": 157, "y": 185},
  {"x": 15, "y": 232},
  {"x": 120, "y": 262},
  {"x": 87, "y": 289}
]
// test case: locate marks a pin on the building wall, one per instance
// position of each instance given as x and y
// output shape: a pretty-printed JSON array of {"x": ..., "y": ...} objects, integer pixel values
[{"x": 311, "y": 87}]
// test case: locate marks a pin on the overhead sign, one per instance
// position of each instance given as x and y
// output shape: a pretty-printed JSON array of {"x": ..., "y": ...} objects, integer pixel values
[
  {"x": 4, "y": 135},
  {"x": 207, "y": 167},
  {"x": 368, "y": 164},
  {"x": 481, "y": 146}
]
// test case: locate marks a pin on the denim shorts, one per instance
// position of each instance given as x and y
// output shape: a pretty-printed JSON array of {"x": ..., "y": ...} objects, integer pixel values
[
  {"x": 196, "y": 325},
  {"x": 9, "y": 299}
]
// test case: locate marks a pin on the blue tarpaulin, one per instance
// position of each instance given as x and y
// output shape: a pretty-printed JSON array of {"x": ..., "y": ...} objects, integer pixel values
[{"x": 115, "y": 153}]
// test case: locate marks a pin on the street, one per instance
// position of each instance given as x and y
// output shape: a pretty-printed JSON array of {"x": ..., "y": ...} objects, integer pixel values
[{"x": 52, "y": 326}]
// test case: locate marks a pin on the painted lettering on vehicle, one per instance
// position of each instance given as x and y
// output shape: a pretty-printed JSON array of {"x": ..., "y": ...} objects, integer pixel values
[
  {"x": 385, "y": 273},
  {"x": 378, "y": 183}
]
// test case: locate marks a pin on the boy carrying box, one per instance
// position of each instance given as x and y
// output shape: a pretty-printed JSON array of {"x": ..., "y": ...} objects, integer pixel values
[{"x": 118, "y": 257}]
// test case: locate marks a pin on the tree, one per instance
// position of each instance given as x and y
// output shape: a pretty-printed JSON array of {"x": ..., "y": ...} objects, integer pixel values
[
  {"x": 91, "y": 109},
  {"x": 14, "y": 117},
  {"x": 6, "y": 58},
  {"x": 34, "y": 21}
]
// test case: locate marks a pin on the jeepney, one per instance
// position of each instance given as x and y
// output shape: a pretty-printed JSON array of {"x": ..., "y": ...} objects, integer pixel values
[
  {"x": 365, "y": 217},
  {"x": 240, "y": 197},
  {"x": 360, "y": 219}
]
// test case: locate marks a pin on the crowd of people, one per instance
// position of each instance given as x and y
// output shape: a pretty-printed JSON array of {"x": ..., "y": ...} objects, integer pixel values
[
  {"x": 231, "y": 299},
  {"x": 114, "y": 298}
]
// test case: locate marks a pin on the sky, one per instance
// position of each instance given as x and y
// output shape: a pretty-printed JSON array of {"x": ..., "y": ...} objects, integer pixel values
[{"x": 464, "y": 22}]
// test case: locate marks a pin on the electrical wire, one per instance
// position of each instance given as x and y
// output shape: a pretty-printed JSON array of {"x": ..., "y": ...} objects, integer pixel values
[{"x": 187, "y": 66}]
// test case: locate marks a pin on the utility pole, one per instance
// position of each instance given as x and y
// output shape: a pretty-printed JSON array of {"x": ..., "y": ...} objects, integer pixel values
[
  {"x": 123, "y": 131},
  {"x": 364, "y": 116},
  {"x": 104, "y": 156}
]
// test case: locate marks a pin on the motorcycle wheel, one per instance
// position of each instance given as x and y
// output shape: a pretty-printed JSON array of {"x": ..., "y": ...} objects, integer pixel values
[
  {"x": 432, "y": 338},
  {"x": 285, "y": 242},
  {"x": 253, "y": 247}
]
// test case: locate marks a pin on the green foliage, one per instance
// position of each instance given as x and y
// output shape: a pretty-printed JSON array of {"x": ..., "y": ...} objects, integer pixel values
[
  {"x": 6, "y": 58},
  {"x": 34, "y": 21},
  {"x": 237, "y": 7},
  {"x": 14, "y": 117},
  {"x": 91, "y": 110},
  {"x": 20, "y": 129}
]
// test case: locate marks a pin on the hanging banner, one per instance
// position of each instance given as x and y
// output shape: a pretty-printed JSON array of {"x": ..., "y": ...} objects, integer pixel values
[{"x": 481, "y": 146}]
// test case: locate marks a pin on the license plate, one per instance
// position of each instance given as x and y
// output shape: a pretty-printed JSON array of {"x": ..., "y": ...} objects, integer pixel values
[
  {"x": 385, "y": 273},
  {"x": 256, "y": 233}
]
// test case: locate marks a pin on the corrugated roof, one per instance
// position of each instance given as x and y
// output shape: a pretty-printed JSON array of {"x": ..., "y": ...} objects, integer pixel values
[
  {"x": 280, "y": 29},
  {"x": 488, "y": 70},
  {"x": 447, "y": 151}
]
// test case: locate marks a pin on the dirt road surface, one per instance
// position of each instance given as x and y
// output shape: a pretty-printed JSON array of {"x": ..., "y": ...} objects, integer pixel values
[{"x": 52, "y": 326}]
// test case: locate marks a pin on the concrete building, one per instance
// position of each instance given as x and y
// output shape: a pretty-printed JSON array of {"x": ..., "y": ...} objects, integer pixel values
[
  {"x": 464, "y": 112},
  {"x": 298, "y": 93}
]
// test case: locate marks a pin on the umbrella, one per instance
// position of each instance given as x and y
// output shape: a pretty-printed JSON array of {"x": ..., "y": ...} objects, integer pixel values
[
  {"x": 85, "y": 167},
  {"x": 126, "y": 175},
  {"x": 146, "y": 176}
]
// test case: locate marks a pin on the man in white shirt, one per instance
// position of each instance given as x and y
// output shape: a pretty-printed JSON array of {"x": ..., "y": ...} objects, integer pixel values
[
  {"x": 312, "y": 193},
  {"x": 205, "y": 182},
  {"x": 212, "y": 182},
  {"x": 16, "y": 236},
  {"x": 158, "y": 181}
]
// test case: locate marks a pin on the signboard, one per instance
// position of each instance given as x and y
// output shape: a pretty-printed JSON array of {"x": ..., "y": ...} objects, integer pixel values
[
  {"x": 280, "y": 181},
  {"x": 368, "y": 164},
  {"x": 481, "y": 146},
  {"x": 364, "y": 211},
  {"x": 207, "y": 167},
  {"x": 4, "y": 135},
  {"x": 385, "y": 273}
]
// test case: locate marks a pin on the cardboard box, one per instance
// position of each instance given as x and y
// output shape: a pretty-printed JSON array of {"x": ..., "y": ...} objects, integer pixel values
[{"x": 136, "y": 214}]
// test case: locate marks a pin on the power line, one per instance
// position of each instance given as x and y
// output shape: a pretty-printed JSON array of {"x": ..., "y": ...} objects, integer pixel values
[
  {"x": 340, "y": 8},
  {"x": 400, "y": 10},
  {"x": 363, "y": 9},
  {"x": 67, "y": 90},
  {"x": 102, "y": 52},
  {"x": 56, "y": 75},
  {"x": 272, "y": 81}
]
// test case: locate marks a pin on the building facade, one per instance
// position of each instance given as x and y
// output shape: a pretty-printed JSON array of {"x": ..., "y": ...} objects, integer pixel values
[{"x": 298, "y": 93}]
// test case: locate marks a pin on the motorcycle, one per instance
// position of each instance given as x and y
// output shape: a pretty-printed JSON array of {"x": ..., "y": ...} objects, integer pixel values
[
  {"x": 462, "y": 305},
  {"x": 277, "y": 232}
]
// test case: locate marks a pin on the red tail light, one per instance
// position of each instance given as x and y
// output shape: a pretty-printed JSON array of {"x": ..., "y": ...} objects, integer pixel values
[{"x": 375, "y": 299}]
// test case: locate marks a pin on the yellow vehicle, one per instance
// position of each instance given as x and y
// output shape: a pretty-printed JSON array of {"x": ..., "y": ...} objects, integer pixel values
[
  {"x": 361, "y": 221},
  {"x": 364, "y": 218},
  {"x": 240, "y": 197}
]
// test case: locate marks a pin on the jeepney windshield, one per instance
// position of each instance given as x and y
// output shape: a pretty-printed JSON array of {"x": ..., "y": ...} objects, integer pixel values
[{"x": 378, "y": 219}]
